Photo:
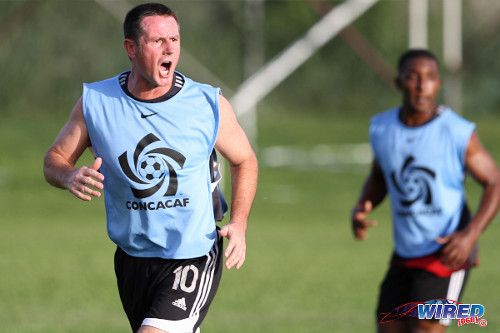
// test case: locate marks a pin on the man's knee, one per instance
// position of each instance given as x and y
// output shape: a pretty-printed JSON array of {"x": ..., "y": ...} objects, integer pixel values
[
  {"x": 396, "y": 326},
  {"x": 427, "y": 326},
  {"x": 150, "y": 329}
]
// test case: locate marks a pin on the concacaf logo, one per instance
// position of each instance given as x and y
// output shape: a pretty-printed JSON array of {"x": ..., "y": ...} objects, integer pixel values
[
  {"x": 151, "y": 169},
  {"x": 413, "y": 182}
]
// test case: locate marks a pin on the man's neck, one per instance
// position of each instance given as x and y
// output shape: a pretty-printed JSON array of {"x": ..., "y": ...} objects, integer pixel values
[
  {"x": 174, "y": 89},
  {"x": 416, "y": 118},
  {"x": 144, "y": 90}
]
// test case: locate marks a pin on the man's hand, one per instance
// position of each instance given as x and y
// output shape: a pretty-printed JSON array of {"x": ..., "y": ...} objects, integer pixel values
[
  {"x": 236, "y": 247},
  {"x": 83, "y": 181},
  {"x": 360, "y": 223},
  {"x": 456, "y": 248}
]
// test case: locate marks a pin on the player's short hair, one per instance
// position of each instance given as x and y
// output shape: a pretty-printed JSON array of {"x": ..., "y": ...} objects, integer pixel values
[
  {"x": 132, "y": 26},
  {"x": 413, "y": 54}
]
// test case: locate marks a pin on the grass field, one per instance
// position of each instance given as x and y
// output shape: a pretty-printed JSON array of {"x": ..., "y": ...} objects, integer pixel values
[{"x": 304, "y": 272}]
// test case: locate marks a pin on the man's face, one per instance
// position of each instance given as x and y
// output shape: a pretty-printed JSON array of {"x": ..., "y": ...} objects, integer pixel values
[
  {"x": 157, "y": 54},
  {"x": 419, "y": 83}
]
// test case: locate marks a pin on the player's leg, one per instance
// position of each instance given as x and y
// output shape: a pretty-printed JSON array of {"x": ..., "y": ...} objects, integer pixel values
[
  {"x": 183, "y": 295},
  {"x": 132, "y": 276},
  {"x": 396, "y": 326},
  {"x": 150, "y": 329},
  {"x": 394, "y": 294},
  {"x": 431, "y": 287},
  {"x": 168, "y": 295},
  {"x": 426, "y": 326}
]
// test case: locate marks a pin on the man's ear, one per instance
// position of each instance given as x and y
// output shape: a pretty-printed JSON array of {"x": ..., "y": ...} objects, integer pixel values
[
  {"x": 397, "y": 82},
  {"x": 130, "y": 47}
]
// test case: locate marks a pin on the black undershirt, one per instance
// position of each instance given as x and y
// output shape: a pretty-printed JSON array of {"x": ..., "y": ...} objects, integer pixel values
[{"x": 177, "y": 84}]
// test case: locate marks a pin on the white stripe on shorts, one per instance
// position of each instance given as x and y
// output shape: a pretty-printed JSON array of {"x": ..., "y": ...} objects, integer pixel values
[
  {"x": 187, "y": 325},
  {"x": 454, "y": 289},
  {"x": 172, "y": 326},
  {"x": 206, "y": 279}
]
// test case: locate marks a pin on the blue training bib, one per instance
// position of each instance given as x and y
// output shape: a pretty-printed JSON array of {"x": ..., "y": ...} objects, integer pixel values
[
  {"x": 156, "y": 166},
  {"x": 424, "y": 170}
]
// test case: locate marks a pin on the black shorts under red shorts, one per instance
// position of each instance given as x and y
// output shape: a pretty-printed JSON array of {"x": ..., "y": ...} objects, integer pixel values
[{"x": 402, "y": 286}]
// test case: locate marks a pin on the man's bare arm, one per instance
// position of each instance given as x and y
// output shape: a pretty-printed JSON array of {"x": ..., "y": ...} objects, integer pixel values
[
  {"x": 60, "y": 159},
  {"x": 233, "y": 144}
]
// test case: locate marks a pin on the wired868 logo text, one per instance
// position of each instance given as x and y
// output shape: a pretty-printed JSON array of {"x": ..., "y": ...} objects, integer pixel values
[{"x": 440, "y": 309}]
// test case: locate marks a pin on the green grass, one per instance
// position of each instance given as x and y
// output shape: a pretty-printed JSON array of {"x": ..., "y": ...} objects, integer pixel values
[{"x": 304, "y": 272}]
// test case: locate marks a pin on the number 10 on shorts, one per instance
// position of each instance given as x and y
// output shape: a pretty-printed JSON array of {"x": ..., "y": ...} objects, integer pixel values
[{"x": 181, "y": 278}]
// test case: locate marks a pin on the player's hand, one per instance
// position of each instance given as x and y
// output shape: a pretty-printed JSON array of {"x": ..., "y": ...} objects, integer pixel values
[
  {"x": 360, "y": 223},
  {"x": 456, "y": 248},
  {"x": 236, "y": 246},
  {"x": 85, "y": 180}
]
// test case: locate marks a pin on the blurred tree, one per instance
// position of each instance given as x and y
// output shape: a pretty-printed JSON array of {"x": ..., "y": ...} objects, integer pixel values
[{"x": 48, "y": 47}]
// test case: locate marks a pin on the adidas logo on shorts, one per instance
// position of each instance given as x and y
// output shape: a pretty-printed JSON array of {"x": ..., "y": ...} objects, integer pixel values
[{"x": 180, "y": 303}]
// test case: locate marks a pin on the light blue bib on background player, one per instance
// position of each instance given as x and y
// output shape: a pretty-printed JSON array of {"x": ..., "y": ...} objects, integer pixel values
[
  {"x": 424, "y": 170},
  {"x": 156, "y": 166}
]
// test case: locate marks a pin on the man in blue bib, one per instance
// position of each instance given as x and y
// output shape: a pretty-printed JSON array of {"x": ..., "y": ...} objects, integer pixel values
[
  {"x": 422, "y": 152},
  {"x": 154, "y": 133}
]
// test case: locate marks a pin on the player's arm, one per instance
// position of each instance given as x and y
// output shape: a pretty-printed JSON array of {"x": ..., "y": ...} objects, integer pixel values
[
  {"x": 372, "y": 194},
  {"x": 233, "y": 144},
  {"x": 60, "y": 159},
  {"x": 483, "y": 168}
]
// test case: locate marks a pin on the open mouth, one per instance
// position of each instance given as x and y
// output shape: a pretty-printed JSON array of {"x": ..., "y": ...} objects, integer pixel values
[{"x": 165, "y": 67}]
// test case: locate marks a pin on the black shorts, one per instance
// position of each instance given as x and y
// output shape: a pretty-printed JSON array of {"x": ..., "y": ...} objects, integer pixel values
[
  {"x": 407, "y": 285},
  {"x": 169, "y": 294}
]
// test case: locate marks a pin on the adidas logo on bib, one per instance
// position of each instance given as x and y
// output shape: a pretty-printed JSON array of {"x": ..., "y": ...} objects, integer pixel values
[{"x": 180, "y": 303}]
